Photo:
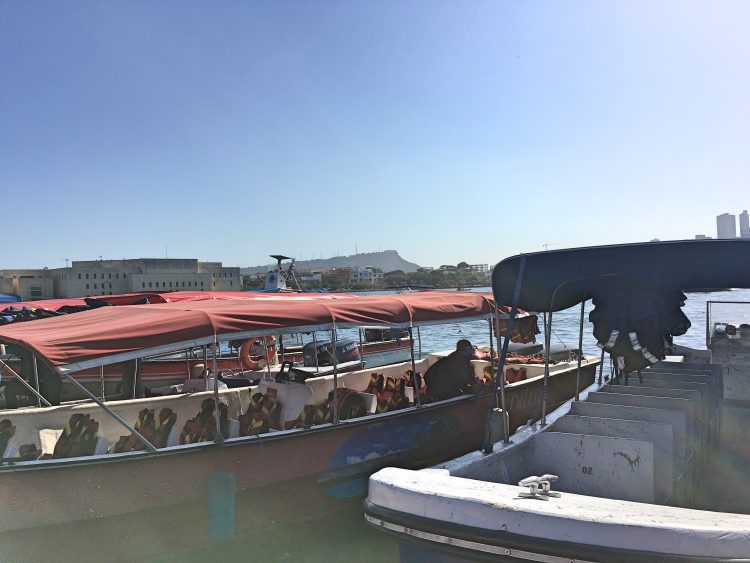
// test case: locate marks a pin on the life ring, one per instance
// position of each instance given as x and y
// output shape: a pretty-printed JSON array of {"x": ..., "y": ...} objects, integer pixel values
[{"x": 248, "y": 362}]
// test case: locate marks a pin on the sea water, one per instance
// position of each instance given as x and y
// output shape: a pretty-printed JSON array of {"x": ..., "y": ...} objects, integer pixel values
[
  {"x": 343, "y": 535},
  {"x": 565, "y": 324}
]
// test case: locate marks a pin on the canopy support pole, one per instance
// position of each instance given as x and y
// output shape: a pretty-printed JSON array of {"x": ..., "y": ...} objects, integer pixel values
[
  {"x": 25, "y": 383},
  {"x": 580, "y": 351},
  {"x": 217, "y": 412},
  {"x": 149, "y": 446},
  {"x": 315, "y": 352},
  {"x": 101, "y": 380},
  {"x": 414, "y": 378},
  {"x": 36, "y": 381},
  {"x": 499, "y": 376},
  {"x": 501, "y": 373},
  {"x": 419, "y": 341},
  {"x": 547, "y": 343},
  {"x": 335, "y": 376},
  {"x": 265, "y": 356},
  {"x": 492, "y": 344},
  {"x": 137, "y": 376},
  {"x": 361, "y": 351},
  {"x": 187, "y": 364}
]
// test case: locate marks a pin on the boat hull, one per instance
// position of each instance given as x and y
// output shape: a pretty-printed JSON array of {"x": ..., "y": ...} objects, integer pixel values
[
  {"x": 249, "y": 481},
  {"x": 434, "y": 541},
  {"x": 614, "y": 465}
]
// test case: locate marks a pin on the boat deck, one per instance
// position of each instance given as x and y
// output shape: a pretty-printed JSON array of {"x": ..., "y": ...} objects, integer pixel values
[
  {"x": 668, "y": 439},
  {"x": 726, "y": 465},
  {"x": 662, "y": 458}
]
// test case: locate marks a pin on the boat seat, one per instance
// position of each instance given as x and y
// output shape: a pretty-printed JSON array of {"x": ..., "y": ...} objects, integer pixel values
[
  {"x": 29, "y": 421},
  {"x": 603, "y": 466},
  {"x": 700, "y": 417},
  {"x": 48, "y": 438},
  {"x": 686, "y": 406},
  {"x": 292, "y": 396},
  {"x": 693, "y": 395},
  {"x": 658, "y": 434},
  {"x": 708, "y": 403},
  {"x": 675, "y": 418}
]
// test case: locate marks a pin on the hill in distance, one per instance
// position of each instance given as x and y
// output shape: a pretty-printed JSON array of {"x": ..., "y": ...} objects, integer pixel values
[{"x": 387, "y": 260}]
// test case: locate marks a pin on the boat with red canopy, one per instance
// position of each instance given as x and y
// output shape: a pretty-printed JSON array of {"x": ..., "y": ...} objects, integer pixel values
[
  {"x": 288, "y": 446},
  {"x": 375, "y": 347}
]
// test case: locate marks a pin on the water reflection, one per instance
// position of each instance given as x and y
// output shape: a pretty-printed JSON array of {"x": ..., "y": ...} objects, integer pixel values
[{"x": 342, "y": 536}]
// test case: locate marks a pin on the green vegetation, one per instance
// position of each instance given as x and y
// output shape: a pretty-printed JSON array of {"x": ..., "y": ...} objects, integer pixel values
[{"x": 454, "y": 276}]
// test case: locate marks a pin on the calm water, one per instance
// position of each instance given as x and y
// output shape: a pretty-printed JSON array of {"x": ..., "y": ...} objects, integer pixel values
[
  {"x": 344, "y": 536},
  {"x": 565, "y": 324}
]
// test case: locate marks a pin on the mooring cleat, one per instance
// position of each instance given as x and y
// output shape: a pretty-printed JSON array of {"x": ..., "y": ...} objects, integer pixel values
[
  {"x": 545, "y": 482},
  {"x": 539, "y": 487}
]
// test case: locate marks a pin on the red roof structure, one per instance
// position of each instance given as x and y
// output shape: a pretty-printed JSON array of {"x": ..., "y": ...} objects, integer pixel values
[
  {"x": 111, "y": 334},
  {"x": 170, "y": 297}
]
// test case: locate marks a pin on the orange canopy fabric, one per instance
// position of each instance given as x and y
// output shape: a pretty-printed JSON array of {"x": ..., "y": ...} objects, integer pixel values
[{"x": 109, "y": 334}]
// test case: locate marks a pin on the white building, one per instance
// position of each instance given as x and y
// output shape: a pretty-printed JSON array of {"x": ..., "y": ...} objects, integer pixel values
[
  {"x": 481, "y": 268},
  {"x": 364, "y": 275},
  {"x": 726, "y": 226},
  {"x": 744, "y": 224},
  {"x": 107, "y": 277}
]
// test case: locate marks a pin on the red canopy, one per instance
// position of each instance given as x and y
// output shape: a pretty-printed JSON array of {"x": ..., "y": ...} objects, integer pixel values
[
  {"x": 110, "y": 334},
  {"x": 171, "y": 297}
]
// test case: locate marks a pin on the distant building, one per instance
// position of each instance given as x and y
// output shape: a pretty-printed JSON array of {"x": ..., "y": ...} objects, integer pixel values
[
  {"x": 310, "y": 277},
  {"x": 107, "y": 277},
  {"x": 483, "y": 269},
  {"x": 29, "y": 284},
  {"x": 744, "y": 224},
  {"x": 726, "y": 226},
  {"x": 341, "y": 275},
  {"x": 365, "y": 275},
  {"x": 701, "y": 237}
]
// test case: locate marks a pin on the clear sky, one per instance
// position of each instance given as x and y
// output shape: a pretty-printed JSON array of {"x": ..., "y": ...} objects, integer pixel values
[{"x": 450, "y": 131}]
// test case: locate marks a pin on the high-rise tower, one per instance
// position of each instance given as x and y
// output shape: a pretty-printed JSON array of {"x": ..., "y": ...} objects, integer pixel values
[
  {"x": 726, "y": 227},
  {"x": 744, "y": 224}
]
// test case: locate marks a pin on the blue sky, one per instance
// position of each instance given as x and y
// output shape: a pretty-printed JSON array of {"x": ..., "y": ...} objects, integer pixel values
[{"x": 449, "y": 131}]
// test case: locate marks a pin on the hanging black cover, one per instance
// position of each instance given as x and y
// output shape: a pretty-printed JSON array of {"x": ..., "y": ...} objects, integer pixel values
[
  {"x": 557, "y": 280},
  {"x": 636, "y": 289}
]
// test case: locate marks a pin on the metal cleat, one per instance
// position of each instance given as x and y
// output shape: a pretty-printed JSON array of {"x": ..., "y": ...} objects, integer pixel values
[
  {"x": 545, "y": 481},
  {"x": 539, "y": 487}
]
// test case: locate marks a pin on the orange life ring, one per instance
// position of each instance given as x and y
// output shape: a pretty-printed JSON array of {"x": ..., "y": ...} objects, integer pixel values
[{"x": 248, "y": 362}]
